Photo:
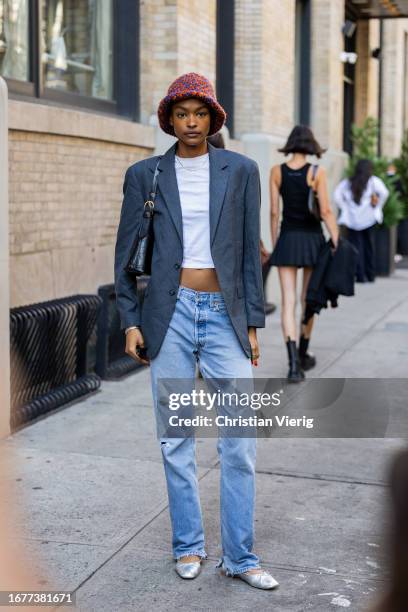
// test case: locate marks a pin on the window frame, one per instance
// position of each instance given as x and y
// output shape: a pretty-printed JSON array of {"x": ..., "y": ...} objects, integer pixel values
[
  {"x": 126, "y": 69},
  {"x": 302, "y": 110},
  {"x": 349, "y": 85},
  {"x": 225, "y": 61}
]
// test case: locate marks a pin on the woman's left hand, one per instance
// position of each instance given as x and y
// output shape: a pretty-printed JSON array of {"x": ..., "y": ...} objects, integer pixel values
[{"x": 253, "y": 340}]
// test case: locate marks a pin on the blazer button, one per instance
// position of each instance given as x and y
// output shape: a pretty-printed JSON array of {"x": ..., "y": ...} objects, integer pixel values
[
  {"x": 177, "y": 265},
  {"x": 172, "y": 292}
]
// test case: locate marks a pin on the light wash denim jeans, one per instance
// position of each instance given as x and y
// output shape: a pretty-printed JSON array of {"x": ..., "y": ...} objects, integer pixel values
[{"x": 201, "y": 330}]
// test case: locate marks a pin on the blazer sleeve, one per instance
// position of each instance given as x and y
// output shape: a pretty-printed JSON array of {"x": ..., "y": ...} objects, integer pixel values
[
  {"x": 127, "y": 301},
  {"x": 252, "y": 267}
]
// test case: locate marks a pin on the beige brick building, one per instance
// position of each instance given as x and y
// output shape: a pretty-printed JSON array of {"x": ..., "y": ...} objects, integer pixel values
[{"x": 78, "y": 118}]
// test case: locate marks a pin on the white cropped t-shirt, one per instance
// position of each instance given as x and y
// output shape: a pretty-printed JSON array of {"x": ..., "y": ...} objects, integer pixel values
[{"x": 193, "y": 180}]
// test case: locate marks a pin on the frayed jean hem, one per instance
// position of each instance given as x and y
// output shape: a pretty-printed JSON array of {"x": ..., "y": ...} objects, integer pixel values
[
  {"x": 230, "y": 572},
  {"x": 197, "y": 553}
]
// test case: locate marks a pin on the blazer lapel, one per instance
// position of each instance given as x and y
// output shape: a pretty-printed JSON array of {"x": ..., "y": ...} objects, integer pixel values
[
  {"x": 218, "y": 184},
  {"x": 167, "y": 182}
]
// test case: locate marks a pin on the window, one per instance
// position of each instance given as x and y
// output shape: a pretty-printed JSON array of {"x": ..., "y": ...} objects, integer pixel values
[
  {"x": 14, "y": 45},
  {"x": 73, "y": 52},
  {"x": 77, "y": 43}
]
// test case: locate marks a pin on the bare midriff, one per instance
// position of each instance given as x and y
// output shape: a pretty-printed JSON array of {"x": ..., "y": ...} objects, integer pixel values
[{"x": 200, "y": 279}]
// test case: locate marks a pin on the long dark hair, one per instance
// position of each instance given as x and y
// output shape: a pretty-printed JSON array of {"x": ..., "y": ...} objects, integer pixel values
[
  {"x": 362, "y": 174},
  {"x": 302, "y": 140}
]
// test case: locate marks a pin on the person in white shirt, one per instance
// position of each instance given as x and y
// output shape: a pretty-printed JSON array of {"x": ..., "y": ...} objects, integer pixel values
[{"x": 360, "y": 200}]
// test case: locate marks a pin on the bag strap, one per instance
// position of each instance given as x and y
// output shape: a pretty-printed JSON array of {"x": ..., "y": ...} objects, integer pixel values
[
  {"x": 154, "y": 186},
  {"x": 315, "y": 168}
]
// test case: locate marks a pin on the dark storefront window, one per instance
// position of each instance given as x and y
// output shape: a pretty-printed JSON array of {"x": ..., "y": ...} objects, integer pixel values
[
  {"x": 14, "y": 41},
  {"x": 73, "y": 52}
]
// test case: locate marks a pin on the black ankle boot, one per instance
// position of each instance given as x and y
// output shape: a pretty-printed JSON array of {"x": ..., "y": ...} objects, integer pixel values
[
  {"x": 295, "y": 373},
  {"x": 307, "y": 360}
]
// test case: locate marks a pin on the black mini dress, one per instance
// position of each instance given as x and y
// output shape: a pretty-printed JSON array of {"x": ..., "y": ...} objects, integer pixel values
[{"x": 301, "y": 236}]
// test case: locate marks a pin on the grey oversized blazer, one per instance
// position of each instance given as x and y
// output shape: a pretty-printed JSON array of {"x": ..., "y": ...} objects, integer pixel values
[{"x": 234, "y": 238}]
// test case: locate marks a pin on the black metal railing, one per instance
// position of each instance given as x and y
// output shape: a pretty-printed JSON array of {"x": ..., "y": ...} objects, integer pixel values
[
  {"x": 51, "y": 354},
  {"x": 111, "y": 359}
]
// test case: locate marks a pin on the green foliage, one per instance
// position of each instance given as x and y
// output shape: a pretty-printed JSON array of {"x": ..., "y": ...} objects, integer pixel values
[
  {"x": 394, "y": 208},
  {"x": 365, "y": 139},
  {"x": 402, "y": 168}
]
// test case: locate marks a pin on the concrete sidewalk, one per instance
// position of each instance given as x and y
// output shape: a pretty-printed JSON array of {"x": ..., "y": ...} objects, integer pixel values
[{"x": 91, "y": 481}]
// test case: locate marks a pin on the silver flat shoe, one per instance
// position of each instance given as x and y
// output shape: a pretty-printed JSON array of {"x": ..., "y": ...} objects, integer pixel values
[
  {"x": 188, "y": 571},
  {"x": 259, "y": 581}
]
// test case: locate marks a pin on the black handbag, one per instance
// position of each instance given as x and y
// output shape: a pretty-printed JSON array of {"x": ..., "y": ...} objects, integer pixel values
[
  {"x": 140, "y": 259},
  {"x": 313, "y": 199}
]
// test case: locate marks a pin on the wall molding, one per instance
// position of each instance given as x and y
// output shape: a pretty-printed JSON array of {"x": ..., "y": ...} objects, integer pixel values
[{"x": 62, "y": 121}]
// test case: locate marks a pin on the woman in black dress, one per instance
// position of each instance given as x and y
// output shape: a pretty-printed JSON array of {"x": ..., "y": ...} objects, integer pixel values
[{"x": 300, "y": 238}]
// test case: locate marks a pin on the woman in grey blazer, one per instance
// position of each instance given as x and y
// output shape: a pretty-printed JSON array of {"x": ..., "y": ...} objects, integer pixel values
[{"x": 203, "y": 303}]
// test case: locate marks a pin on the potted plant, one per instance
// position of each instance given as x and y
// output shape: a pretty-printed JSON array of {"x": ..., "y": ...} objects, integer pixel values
[
  {"x": 401, "y": 165},
  {"x": 365, "y": 139}
]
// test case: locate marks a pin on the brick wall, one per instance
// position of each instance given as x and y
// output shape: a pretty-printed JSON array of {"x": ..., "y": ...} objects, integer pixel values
[
  {"x": 196, "y": 29},
  {"x": 65, "y": 196},
  {"x": 158, "y": 52},
  {"x": 264, "y": 66},
  {"x": 248, "y": 72},
  {"x": 177, "y": 36},
  {"x": 278, "y": 68},
  {"x": 327, "y": 72}
]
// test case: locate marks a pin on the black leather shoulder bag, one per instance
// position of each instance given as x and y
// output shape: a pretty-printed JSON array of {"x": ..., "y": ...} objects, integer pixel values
[{"x": 140, "y": 259}]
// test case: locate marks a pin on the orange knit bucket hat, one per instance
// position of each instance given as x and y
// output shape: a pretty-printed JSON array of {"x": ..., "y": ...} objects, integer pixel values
[{"x": 191, "y": 85}]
